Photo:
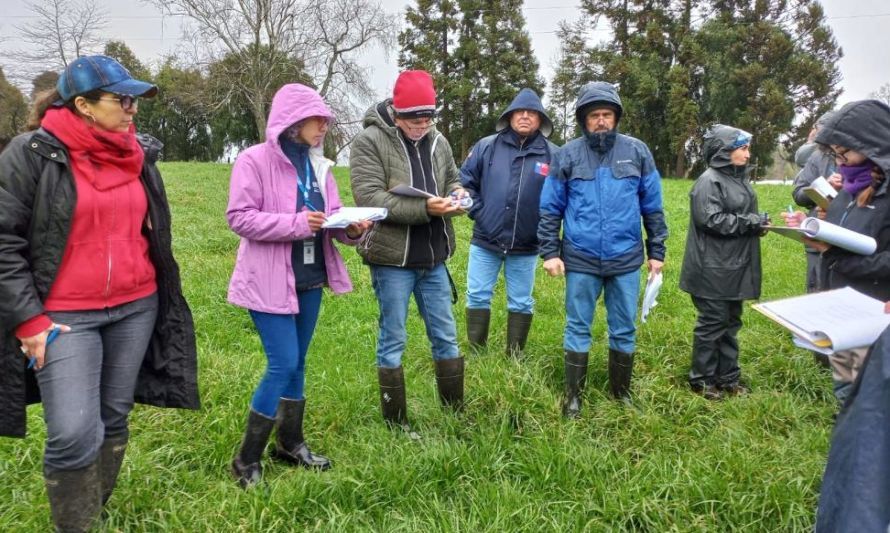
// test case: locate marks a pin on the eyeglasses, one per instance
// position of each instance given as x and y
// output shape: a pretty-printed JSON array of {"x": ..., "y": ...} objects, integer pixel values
[
  {"x": 420, "y": 123},
  {"x": 840, "y": 155},
  {"x": 126, "y": 101}
]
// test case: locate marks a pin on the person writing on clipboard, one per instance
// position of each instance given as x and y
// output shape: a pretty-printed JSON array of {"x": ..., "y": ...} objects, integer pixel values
[
  {"x": 406, "y": 252},
  {"x": 281, "y": 192},
  {"x": 857, "y": 136}
]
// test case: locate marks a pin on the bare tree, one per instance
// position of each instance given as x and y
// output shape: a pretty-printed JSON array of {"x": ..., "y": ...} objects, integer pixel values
[
  {"x": 62, "y": 30},
  {"x": 882, "y": 94},
  {"x": 264, "y": 43}
]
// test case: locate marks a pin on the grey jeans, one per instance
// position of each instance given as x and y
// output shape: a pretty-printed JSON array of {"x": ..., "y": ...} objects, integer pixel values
[{"x": 89, "y": 378}]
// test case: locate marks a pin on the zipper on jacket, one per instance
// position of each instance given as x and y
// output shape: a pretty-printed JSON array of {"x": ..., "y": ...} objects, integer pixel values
[
  {"x": 433, "y": 170},
  {"x": 429, "y": 242},
  {"x": 108, "y": 249},
  {"x": 410, "y": 183},
  {"x": 518, "y": 199}
]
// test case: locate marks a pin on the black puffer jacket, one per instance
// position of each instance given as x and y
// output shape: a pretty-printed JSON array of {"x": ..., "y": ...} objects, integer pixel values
[
  {"x": 862, "y": 126},
  {"x": 37, "y": 199},
  {"x": 722, "y": 258}
]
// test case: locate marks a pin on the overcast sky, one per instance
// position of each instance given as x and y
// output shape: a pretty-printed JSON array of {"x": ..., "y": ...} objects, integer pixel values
[{"x": 861, "y": 27}]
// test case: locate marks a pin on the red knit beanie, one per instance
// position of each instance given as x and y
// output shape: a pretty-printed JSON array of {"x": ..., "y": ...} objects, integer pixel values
[{"x": 414, "y": 94}]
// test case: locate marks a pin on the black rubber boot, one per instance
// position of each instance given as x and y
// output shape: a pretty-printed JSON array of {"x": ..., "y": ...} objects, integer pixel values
[
  {"x": 75, "y": 497},
  {"x": 518, "y": 325},
  {"x": 621, "y": 366},
  {"x": 246, "y": 465},
  {"x": 477, "y": 327},
  {"x": 392, "y": 395},
  {"x": 576, "y": 376},
  {"x": 290, "y": 446},
  {"x": 450, "y": 382},
  {"x": 111, "y": 456}
]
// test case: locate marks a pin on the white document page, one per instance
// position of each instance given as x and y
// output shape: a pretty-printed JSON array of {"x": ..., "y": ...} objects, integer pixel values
[
  {"x": 840, "y": 319},
  {"x": 350, "y": 215}
]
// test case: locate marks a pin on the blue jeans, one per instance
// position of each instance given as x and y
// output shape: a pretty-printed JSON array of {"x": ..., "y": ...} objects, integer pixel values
[
  {"x": 519, "y": 275},
  {"x": 432, "y": 293},
  {"x": 285, "y": 340},
  {"x": 582, "y": 292},
  {"x": 89, "y": 378}
]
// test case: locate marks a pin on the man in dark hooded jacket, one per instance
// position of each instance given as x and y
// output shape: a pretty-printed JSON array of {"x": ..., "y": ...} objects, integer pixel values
[
  {"x": 721, "y": 265},
  {"x": 504, "y": 174},
  {"x": 599, "y": 187}
]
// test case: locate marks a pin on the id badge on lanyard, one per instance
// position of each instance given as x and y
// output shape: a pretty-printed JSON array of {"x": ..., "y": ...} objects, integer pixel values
[{"x": 309, "y": 252}]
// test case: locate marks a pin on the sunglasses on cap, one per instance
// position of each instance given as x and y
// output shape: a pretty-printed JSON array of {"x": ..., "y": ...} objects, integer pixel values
[{"x": 126, "y": 101}]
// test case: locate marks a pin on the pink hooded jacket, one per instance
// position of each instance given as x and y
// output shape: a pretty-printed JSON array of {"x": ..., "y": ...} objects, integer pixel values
[{"x": 262, "y": 211}]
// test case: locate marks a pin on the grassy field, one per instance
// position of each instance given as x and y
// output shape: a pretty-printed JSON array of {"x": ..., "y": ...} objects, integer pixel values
[{"x": 509, "y": 462}]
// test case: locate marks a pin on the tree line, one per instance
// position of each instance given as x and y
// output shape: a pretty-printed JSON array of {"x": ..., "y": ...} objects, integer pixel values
[{"x": 769, "y": 67}]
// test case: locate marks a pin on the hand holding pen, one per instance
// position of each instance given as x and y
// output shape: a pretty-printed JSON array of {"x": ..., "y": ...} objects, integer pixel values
[{"x": 34, "y": 347}]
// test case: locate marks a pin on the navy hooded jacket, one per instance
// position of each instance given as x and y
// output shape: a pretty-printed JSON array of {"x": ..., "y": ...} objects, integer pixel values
[
  {"x": 598, "y": 199},
  {"x": 504, "y": 175}
]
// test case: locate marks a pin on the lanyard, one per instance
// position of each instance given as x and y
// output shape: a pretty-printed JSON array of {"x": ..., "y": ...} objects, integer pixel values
[{"x": 304, "y": 187}]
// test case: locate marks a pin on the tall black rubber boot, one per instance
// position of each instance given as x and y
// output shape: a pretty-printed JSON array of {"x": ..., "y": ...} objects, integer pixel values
[
  {"x": 621, "y": 366},
  {"x": 75, "y": 497},
  {"x": 477, "y": 327},
  {"x": 246, "y": 465},
  {"x": 576, "y": 376},
  {"x": 518, "y": 325},
  {"x": 392, "y": 395},
  {"x": 290, "y": 446},
  {"x": 450, "y": 382},
  {"x": 111, "y": 456}
]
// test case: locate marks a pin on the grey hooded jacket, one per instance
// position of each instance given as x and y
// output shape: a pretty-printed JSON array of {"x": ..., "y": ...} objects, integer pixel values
[{"x": 722, "y": 258}]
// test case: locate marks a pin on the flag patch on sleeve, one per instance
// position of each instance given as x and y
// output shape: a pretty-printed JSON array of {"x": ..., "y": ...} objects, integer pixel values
[{"x": 542, "y": 169}]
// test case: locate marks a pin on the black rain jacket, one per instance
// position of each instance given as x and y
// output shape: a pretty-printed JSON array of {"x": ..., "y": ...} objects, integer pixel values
[
  {"x": 722, "y": 257},
  {"x": 37, "y": 199}
]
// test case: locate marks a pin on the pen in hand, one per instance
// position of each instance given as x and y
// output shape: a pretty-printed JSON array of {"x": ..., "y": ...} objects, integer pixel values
[{"x": 32, "y": 360}]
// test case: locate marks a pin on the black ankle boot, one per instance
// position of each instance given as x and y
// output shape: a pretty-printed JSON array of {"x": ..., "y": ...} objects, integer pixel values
[
  {"x": 290, "y": 446},
  {"x": 477, "y": 327},
  {"x": 111, "y": 456},
  {"x": 518, "y": 325},
  {"x": 576, "y": 376},
  {"x": 246, "y": 465},
  {"x": 621, "y": 365},
  {"x": 450, "y": 382},
  {"x": 75, "y": 497}
]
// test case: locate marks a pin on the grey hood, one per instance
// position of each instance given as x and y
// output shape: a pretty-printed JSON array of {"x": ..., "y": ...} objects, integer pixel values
[
  {"x": 863, "y": 126},
  {"x": 719, "y": 143},
  {"x": 597, "y": 92}
]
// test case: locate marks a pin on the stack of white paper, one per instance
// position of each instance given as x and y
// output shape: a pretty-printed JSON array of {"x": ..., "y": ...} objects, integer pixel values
[{"x": 351, "y": 215}]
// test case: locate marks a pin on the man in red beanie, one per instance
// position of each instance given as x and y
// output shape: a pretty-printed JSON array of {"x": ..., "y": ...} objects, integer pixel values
[{"x": 407, "y": 252}]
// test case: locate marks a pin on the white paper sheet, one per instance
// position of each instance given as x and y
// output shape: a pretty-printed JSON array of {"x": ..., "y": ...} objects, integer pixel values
[
  {"x": 841, "y": 319},
  {"x": 350, "y": 215},
  {"x": 653, "y": 286},
  {"x": 830, "y": 233}
]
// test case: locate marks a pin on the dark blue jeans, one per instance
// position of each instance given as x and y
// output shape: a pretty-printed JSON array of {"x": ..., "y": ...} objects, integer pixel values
[
  {"x": 89, "y": 377},
  {"x": 285, "y": 340}
]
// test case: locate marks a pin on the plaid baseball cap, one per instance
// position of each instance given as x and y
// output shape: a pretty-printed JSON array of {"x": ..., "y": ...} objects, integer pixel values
[{"x": 89, "y": 73}]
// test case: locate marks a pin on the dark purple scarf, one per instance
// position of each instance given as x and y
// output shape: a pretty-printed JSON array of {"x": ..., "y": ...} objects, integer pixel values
[{"x": 856, "y": 177}]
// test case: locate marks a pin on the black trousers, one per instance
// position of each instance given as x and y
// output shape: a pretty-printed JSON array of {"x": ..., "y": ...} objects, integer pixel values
[{"x": 715, "y": 347}]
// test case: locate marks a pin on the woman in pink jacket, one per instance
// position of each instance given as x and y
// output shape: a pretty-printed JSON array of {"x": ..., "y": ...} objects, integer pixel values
[{"x": 280, "y": 194}]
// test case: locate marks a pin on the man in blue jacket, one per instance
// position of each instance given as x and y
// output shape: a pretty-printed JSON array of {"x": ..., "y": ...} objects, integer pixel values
[
  {"x": 600, "y": 184},
  {"x": 504, "y": 174}
]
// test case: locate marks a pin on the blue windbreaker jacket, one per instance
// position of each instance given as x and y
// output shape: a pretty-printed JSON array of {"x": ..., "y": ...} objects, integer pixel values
[{"x": 598, "y": 200}]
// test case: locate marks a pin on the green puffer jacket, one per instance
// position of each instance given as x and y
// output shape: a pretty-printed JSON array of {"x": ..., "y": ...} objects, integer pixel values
[{"x": 377, "y": 163}]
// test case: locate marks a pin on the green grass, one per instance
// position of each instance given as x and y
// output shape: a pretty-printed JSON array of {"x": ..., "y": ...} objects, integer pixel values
[{"x": 509, "y": 462}]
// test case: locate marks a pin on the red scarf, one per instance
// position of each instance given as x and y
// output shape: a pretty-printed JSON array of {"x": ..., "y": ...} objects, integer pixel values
[{"x": 106, "y": 159}]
